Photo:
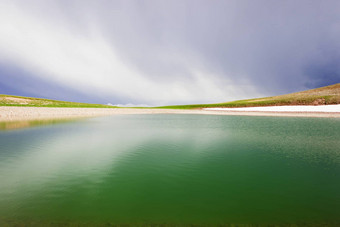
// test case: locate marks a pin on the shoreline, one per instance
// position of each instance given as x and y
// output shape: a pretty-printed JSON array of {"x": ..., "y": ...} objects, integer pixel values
[
  {"x": 292, "y": 108},
  {"x": 15, "y": 113}
]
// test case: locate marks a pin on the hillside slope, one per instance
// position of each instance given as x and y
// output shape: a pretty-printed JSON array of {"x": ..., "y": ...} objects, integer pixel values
[
  {"x": 318, "y": 96},
  {"x": 11, "y": 100}
]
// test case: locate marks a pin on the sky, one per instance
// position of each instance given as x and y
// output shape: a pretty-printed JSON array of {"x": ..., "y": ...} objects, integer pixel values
[{"x": 167, "y": 52}]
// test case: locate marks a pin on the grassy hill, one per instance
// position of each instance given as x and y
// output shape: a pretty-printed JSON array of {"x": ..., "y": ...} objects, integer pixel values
[
  {"x": 11, "y": 100},
  {"x": 319, "y": 96}
]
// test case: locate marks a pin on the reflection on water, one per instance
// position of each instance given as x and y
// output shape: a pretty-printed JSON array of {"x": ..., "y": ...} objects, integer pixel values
[
  {"x": 9, "y": 125},
  {"x": 173, "y": 169}
]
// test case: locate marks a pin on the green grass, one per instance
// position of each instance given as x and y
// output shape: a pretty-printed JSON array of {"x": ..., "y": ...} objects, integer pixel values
[
  {"x": 11, "y": 100},
  {"x": 319, "y": 96}
]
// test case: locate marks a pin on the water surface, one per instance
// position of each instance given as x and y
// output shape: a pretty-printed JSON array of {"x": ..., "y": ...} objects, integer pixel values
[{"x": 173, "y": 169}]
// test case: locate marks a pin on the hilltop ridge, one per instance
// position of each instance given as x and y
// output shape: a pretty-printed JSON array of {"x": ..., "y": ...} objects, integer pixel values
[
  {"x": 12, "y": 100},
  {"x": 319, "y": 96}
]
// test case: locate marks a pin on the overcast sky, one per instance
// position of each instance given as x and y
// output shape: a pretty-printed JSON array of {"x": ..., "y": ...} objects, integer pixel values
[{"x": 167, "y": 52}]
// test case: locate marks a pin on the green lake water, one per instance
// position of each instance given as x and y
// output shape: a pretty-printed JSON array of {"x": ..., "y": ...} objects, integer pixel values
[{"x": 172, "y": 170}]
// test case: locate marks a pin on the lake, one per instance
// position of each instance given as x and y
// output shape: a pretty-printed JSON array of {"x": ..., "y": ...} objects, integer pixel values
[{"x": 172, "y": 170}]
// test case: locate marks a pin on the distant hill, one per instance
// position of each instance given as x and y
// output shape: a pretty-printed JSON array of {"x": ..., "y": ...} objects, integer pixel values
[
  {"x": 11, "y": 100},
  {"x": 318, "y": 96}
]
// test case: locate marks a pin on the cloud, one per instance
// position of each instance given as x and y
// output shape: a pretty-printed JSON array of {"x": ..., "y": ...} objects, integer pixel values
[
  {"x": 129, "y": 105},
  {"x": 173, "y": 52},
  {"x": 14, "y": 81},
  {"x": 269, "y": 45}
]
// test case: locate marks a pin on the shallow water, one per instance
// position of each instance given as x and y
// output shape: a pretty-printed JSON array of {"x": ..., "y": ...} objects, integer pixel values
[{"x": 173, "y": 169}]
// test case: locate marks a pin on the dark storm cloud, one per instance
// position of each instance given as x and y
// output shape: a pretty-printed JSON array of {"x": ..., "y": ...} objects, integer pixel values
[
  {"x": 15, "y": 81},
  {"x": 279, "y": 46},
  {"x": 179, "y": 51}
]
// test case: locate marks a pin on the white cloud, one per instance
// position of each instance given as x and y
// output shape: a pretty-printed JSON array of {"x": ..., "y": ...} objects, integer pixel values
[
  {"x": 54, "y": 51},
  {"x": 131, "y": 105}
]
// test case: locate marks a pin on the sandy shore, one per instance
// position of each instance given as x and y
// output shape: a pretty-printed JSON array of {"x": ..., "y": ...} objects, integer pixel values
[
  {"x": 8, "y": 114},
  {"x": 304, "y": 108}
]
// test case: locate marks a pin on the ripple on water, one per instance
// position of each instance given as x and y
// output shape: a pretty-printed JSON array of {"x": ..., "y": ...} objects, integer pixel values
[{"x": 174, "y": 169}]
